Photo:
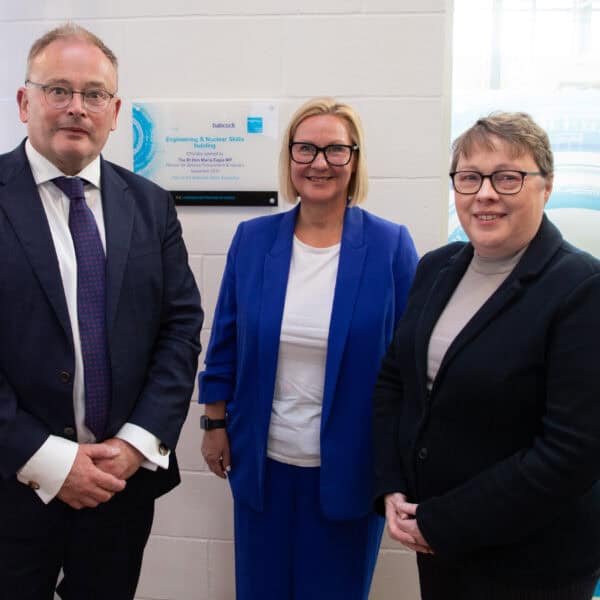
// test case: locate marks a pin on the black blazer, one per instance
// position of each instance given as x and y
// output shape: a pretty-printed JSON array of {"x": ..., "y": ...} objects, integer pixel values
[
  {"x": 153, "y": 321},
  {"x": 503, "y": 455}
]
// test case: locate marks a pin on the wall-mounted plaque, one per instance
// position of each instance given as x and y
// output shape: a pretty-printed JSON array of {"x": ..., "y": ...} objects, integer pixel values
[{"x": 215, "y": 153}]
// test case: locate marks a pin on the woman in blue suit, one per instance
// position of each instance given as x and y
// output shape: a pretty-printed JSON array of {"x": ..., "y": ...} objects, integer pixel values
[{"x": 308, "y": 305}]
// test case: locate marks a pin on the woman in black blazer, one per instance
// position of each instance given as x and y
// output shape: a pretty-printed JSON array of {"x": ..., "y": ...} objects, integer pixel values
[{"x": 487, "y": 406}]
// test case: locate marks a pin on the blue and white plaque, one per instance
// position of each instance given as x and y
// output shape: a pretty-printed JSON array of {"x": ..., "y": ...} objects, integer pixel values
[{"x": 209, "y": 152}]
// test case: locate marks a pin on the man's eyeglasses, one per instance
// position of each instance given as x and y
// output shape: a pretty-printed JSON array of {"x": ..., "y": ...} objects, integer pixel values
[
  {"x": 504, "y": 182},
  {"x": 58, "y": 96},
  {"x": 336, "y": 155}
]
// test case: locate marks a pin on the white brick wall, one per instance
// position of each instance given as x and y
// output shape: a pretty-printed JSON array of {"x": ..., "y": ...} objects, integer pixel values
[{"x": 389, "y": 58}]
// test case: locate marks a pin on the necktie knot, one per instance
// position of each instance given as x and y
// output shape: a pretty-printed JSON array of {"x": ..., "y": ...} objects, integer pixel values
[{"x": 71, "y": 186}]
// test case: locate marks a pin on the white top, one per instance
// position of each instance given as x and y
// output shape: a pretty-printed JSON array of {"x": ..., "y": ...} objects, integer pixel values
[
  {"x": 51, "y": 464},
  {"x": 295, "y": 428},
  {"x": 481, "y": 279}
]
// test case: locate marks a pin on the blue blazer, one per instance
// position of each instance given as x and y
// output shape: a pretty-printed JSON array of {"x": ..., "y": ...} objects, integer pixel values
[
  {"x": 153, "y": 320},
  {"x": 376, "y": 266}
]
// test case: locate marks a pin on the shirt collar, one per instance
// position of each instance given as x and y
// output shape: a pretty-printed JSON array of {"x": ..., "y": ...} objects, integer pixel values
[{"x": 43, "y": 170}]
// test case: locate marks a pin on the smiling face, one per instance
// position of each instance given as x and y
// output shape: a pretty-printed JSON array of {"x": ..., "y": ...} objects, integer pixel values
[
  {"x": 69, "y": 137},
  {"x": 500, "y": 225},
  {"x": 319, "y": 181}
]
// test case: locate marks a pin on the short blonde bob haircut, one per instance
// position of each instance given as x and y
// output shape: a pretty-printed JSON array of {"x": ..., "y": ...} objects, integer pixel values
[
  {"x": 357, "y": 190},
  {"x": 521, "y": 133}
]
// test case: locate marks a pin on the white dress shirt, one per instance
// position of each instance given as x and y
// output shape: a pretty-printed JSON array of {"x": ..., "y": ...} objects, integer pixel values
[{"x": 51, "y": 463}]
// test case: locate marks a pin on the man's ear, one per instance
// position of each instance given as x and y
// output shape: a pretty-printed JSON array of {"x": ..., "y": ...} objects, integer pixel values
[
  {"x": 23, "y": 102},
  {"x": 116, "y": 113}
]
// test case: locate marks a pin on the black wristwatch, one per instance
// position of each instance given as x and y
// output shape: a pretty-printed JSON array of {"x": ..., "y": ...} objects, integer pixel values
[{"x": 207, "y": 423}]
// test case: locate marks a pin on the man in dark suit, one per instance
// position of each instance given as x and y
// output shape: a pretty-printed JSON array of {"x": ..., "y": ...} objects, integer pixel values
[{"x": 99, "y": 327}]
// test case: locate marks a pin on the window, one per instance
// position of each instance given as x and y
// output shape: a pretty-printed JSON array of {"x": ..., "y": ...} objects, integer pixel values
[{"x": 541, "y": 57}]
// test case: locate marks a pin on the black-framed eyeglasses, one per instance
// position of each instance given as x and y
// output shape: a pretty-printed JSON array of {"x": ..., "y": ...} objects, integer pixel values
[
  {"x": 59, "y": 96},
  {"x": 506, "y": 181},
  {"x": 336, "y": 155}
]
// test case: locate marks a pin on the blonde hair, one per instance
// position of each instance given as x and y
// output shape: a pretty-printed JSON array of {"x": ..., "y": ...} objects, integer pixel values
[
  {"x": 517, "y": 129},
  {"x": 65, "y": 32},
  {"x": 357, "y": 190}
]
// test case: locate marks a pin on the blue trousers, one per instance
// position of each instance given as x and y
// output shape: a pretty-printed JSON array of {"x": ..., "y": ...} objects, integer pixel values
[{"x": 289, "y": 551}]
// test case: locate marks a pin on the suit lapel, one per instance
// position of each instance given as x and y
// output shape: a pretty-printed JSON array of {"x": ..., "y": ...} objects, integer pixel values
[
  {"x": 540, "y": 251},
  {"x": 492, "y": 307},
  {"x": 275, "y": 279},
  {"x": 350, "y": 267},
  {"x": 118, "y": 208},
  {"x": 21, "y": 202},
  {"x": 443, "y": 286}
]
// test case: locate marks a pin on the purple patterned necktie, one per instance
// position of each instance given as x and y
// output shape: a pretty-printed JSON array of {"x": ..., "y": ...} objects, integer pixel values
[{"x": 91, "y": 304}]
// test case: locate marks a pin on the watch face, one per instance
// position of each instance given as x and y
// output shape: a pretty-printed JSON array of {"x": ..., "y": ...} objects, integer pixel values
[{"x": 208, "y": 424}]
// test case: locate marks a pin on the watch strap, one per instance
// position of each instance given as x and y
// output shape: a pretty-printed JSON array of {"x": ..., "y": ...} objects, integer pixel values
[{"x": 207, "y": 423}]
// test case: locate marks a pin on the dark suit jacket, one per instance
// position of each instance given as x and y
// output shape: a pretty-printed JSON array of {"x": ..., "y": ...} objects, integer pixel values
[
  {"x": 376, "y": 266},
  {"x": 153, "y": 320},
  {"x": 503, "y": 456}
]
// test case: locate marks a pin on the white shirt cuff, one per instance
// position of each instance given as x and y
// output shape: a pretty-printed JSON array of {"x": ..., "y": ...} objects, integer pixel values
[
  {"x": 46, "y": 471},
  {"x": 148, "y": 444}
]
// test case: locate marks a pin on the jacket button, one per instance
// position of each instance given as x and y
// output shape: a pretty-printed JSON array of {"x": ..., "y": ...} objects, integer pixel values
[
  {"x": 64, "y": 376},
  {"x": 423, "y": 453},
  {"x": 69, "y": 431},
  {"x": 163, "y": 450}
]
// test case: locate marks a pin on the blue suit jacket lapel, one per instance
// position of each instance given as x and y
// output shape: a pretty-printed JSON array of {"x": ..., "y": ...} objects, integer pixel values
[
  {"x": 21, "y": 202},
  {"x": 352, "y": 257},
  {"x": 118, "y": 208},
  {"x": 275, "y": 278}
]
